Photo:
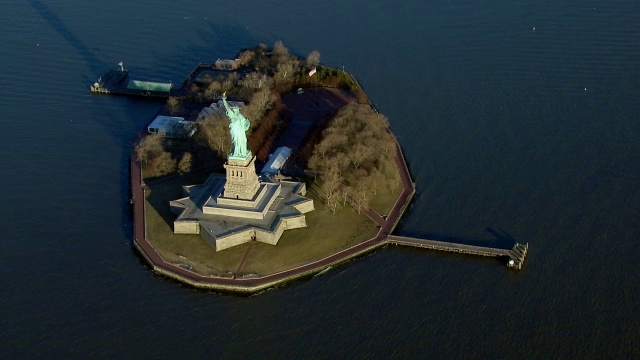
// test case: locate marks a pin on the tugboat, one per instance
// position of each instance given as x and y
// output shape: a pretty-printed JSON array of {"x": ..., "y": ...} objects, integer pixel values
[{"x": 112, "y": 77}]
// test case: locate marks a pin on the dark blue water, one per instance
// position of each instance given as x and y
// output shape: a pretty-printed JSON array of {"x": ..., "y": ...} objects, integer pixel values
[{"x": 505, "y": 127}]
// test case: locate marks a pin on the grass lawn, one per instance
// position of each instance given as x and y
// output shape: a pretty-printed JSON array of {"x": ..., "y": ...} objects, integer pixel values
[
  {"x": 184, "y": 249},
  {"x": 325, "y": 234},
  {"x": 384, "y": 200}
]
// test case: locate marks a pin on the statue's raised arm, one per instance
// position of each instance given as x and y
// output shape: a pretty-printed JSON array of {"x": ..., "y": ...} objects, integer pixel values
[{"x": 225, "y": 103}]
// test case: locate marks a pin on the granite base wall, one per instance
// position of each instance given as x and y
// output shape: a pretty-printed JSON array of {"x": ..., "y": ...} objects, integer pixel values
[{"x": 186, "y": 227}]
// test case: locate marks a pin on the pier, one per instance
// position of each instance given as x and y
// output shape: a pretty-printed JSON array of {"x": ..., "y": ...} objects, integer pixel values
[
  {"x": 116, "y": 81},
  {"x": 516, "y": 255}
]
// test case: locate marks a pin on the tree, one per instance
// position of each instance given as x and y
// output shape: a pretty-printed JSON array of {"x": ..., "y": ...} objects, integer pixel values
[
  {"x": 341, "y": 162},
  {"x": 344, "y": 193},
  {"x": 279, "y": 50},
  {"x": 315, "y": 163},
  {"x": 336, "y": 141},
  {"x": 184, "y": 166},
  {"x": 264, "y": 100},
  {"x": 313, "y": 59},
  {"x": 165, "y": 164},
  {"x": 213, "y": 132},
  {"x": 331, "y": 181},
  {"x": 246, "y": 57},
  {"x": 375, "y": 180},
  {"x": 256, "y": 80},
  {"x": 332, "y": 204},
  {"x": 360, "y": 194},
  {"x": 394, "y": 180},
  {"x": 387, "y": 144},
  {"x": 322, "y": 151},
  {"x": 214, "y": 88},
  {"x": 230, "y": 81},
  {"x": 149, "y": 148},
  {"x": 174, "y": 105},
  {"x": 358, "y": 154},
  {"x": 286, "y": 68}
]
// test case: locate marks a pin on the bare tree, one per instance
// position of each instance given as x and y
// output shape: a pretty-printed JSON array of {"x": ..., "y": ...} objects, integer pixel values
[
  {"x": 316, "y": 164},
  {"x": 387, "y": 145},
  {"x": 332, "y": 204},
  {"x": 256, "y": 80},
  {"x": 394, "y": 181},
  {"x": 184, "y": 166},
  {"x": 375, "y": 180},
  {"x": 331, "y": 181},
  {"x": 360, "y": 194},
  {"x": 149, "y": 148},
  {"x": 358, "y": 154},
  {"x": 279, "y": 50},
  {"x": 286, "y": 68},
  {"x": 214, "y": 88},
  {"x": 213, "y": 132},
  {"x": 337, "y": 141},
  {"x": 245, "y": 57},
  {"x": 230, "y": 81},
  {"x": 313, "y": 59},
  {"x": 341, "y": 161},
  {"x": 264, "y": 100},
  {"x": 345, "y": 192},
  {"x": 174, "y": 105},
  {"x": 322, "y": 150},
  {"x": 165, "y": 164}
]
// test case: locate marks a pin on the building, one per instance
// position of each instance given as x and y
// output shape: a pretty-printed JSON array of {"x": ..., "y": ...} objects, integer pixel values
[
  {"x": 227, "y": 64},
  {"x": 150, "y": 87},
  {"x": 172, "y": 127},
  {"x": 276, "y": 161}
]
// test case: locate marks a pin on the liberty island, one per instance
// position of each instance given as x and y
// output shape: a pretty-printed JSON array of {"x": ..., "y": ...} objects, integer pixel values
[{"x": 246, "y": 231}]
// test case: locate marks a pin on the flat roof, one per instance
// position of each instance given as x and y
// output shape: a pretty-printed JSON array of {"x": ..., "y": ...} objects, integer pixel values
[
  {"x": 168, "y": 123},
  {"x": 149, "y": 86},
  {"x": 276, "y": 160}
]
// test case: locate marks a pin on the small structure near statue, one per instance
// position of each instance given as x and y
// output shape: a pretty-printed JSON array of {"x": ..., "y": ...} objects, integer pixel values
[
  {"x": 240, "y": 207},
  {"x": 172, "y": 127},
  {"x": 227, "y": 64}
]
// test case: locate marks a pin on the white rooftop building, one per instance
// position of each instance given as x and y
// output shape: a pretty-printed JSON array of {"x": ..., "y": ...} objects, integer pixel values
[
  {"x": 171, "y": 127},
  {"x": 276, "y": 160}
]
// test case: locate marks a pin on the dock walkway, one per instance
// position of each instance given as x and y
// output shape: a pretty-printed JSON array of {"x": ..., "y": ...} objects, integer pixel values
[
  {"x": 447, "y": 246},
  {"x": 516, "y": 255}
]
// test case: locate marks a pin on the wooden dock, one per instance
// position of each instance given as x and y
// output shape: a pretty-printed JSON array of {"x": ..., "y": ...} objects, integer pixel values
[{"x": 516, "y": 255}]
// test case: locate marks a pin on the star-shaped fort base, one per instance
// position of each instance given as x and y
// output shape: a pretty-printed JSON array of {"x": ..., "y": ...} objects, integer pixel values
[{"x": 225, "y": 222}]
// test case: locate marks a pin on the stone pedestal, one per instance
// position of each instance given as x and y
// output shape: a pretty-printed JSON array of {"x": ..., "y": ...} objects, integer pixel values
[{"x": 242, "y": 180}]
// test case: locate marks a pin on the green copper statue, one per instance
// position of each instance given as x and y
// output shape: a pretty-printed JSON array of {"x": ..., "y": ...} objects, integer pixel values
[{"x": 238, "y": 124}]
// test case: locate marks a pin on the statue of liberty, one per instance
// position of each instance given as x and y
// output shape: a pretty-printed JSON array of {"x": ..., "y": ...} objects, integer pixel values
[{"x": 238, "y": 124}]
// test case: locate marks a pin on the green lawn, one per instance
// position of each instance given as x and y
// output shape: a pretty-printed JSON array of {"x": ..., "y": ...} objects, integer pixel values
[
  {"x": 384, "y": 200},
  {"x": 325, "y": 234}
]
